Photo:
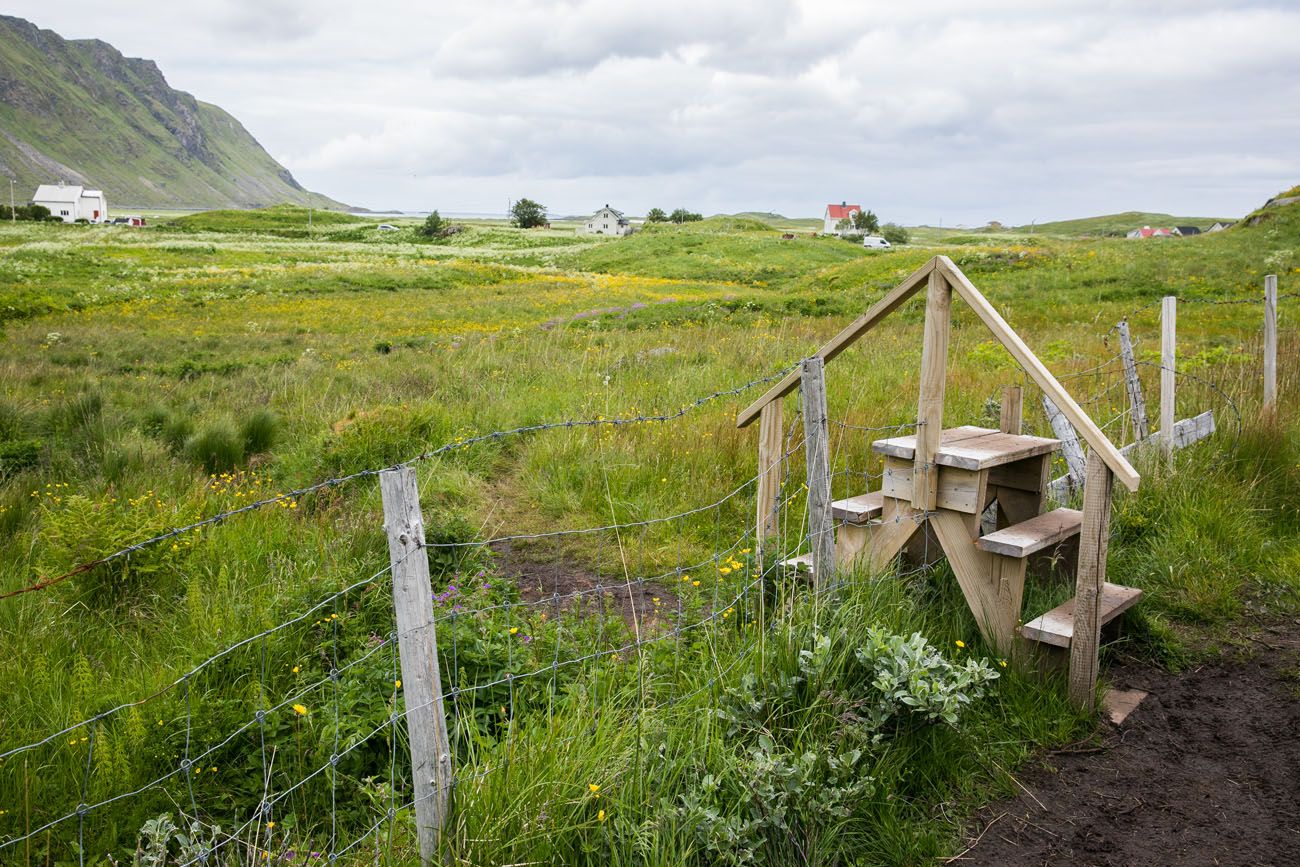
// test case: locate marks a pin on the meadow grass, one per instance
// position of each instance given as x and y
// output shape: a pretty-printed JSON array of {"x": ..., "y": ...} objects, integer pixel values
[{"x": 155, "y": 377}]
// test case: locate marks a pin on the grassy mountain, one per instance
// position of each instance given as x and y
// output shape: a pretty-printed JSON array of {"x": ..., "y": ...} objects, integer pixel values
[
  {"x": 79, "y": 111},
  {"x": 1118, "y": 224}
]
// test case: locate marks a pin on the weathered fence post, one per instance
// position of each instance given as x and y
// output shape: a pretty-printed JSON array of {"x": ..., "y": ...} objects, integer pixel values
[
  {"x": 1141, "y": 427},
  {"x": 769, "y": 474},
  {"x": 934, "y": 364},
  {"x": 418, "y": 648},
  {"x": 1094, "y": 540},
  {"x": 1168, "y": 359},
  {"x": 1270, "y": 342},
  {"x": 1070, "y": 448},
  {"x": 1013, "y": 407},
  {"x": 821, "y": 529}
]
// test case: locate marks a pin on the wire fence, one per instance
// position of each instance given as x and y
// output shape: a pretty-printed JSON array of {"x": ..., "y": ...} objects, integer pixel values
[{"x": 292, "y": 741}]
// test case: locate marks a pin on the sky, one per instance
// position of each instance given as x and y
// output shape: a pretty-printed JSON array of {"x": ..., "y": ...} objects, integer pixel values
[{"x": 942, "y": 112}]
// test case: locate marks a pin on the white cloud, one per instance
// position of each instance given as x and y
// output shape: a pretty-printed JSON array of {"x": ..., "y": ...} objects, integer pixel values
[{"x": 944, "y": 109}]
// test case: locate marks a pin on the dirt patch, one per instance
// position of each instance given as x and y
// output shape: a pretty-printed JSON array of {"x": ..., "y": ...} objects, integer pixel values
[
  {"x": 1206, "y": 771},
  {"x": 557, "y": 586}
]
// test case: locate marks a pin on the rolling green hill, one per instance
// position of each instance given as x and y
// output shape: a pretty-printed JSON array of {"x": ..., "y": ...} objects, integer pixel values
[
  {"x": 78, "y": 111},
  {"x": 1117, "y": 224}
]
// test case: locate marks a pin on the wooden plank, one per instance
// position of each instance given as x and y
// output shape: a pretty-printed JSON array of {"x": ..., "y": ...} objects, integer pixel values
[
  {"x": 801, "y": 563},
  {"x": 1138, "y": 404},
  {"x": 929, "y": 405},
  {"x": 874, "y": 545},
  {"x": 904, "y": 447},
  {"x": 417, "y": 645},
  {"x": 770, "y": 441},
  {"x": 970, "y": 448},
  {"x": 1186, "y": 432},
  {"x": 842, "y": 341},
  {"x": 1094, "y": 542},
  {"x": 1026, "y": 474},
  {"x": 859, "y": 509},
  {"x": 961, "y": 490},
  {"x": 1040, "y": 374},
  {"x": 1070, "y": 448},
  {"x": 992, "y": 585},
  {"x": 1168, "y": 359},
  {"x": 821, "y": 526},
  {"x": 1056, "y": 627},
  {"x": 896, "y": 480},
  {"x": 1043, "y": 531},
  {"x": 1013, "y": 402},
  {"x": 1270, "y": 342}
]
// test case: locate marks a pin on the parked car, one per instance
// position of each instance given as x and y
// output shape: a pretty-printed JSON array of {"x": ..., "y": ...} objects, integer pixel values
[
  {"x": 873, "y": 243},
  {"x": 385, "y": 227}
]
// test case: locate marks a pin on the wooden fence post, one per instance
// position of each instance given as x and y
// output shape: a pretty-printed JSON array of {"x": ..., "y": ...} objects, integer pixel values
[
  {"x": 929, "y": 409},
  {"x": 1141, "y": 427},
  {"x": 769, "y": 479},
  {"x": 1270, "y": 342},
  {"x": 1070, "y": 448},
  {"x": 1168, "y": 360},
  {"x": 1094, "y": 541},
  {"x": 1013, "y": 407},
  {"x": 418, "y": 648},
  {"x": 821, "y": 529}
]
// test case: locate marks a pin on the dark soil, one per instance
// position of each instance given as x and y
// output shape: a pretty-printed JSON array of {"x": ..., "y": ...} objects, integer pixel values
[{"x": 1206, "y": 771}]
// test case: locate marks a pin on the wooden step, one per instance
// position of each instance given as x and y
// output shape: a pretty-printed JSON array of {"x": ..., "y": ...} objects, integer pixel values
[
  {"x": 1056, "y": 627},
  {"x": 859, "y": 509},
  {"x": 802, "y": 563},
  {"x": 1023, "y": 539}
]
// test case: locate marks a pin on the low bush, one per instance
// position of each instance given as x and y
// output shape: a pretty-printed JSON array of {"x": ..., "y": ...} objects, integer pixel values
[{"x": 217, "y": 447}]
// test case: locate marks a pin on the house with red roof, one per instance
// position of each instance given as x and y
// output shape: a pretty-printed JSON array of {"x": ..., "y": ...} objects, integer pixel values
[{"x": 835, "y": 213}]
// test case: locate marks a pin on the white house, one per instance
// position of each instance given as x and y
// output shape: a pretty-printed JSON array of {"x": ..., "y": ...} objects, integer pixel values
[
  {"x": 835, "y": 213},
  {"x": 70, "y": 203},
  {"x": 607, "y": 221}
]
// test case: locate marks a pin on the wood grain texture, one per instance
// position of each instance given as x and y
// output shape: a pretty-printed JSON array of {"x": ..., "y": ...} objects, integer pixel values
[
  {"x": 1094, "y": 541},
  {"x": 770, "y": 438},
  {"x": 821, "y": 526},
  {"x": 970, "y": 448},
  {"x": 929, "y": 406},
  {"x": 1035, "y": 534},
  {"x": 1013, "y": 404},
  {"x": 1056, "y": 627},
  {"x": 1270, "y": 342},
  {"x": 1039, "y": 373},
  {"x": 1132, "y": 384},
  {"x": 837, "y": 344},
  {"x": 859, "y": 509},
  {"x": 1071, "y": 450},
  {"x": 418, "y": 651},
  {"x": 993, "y": 585},
  {"x": 1168, "y": 376},
  {"x": 874, "y": 545}
]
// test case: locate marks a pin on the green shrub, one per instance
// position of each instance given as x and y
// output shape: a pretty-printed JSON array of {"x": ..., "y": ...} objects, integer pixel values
[
  {"x": 18, "y": 455},
  {"x": 381, "y": 437},
  {"x": 259, "y": 432},
  {"x": 218, "y": 447},
  {"x": 895, "y": 234}
]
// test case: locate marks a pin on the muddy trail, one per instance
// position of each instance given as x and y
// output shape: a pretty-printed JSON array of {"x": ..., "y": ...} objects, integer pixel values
[{"x": 1205, "y": 771}]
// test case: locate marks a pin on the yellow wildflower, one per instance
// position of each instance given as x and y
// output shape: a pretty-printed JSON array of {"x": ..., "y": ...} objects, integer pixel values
[
  {"x": 514, "y": 630},
  {"x": 300, "y": 710},
  {"x": 960, "y": 643},
  {"x": 593, "y": 787},
  {"x": 600, "y": 817}
]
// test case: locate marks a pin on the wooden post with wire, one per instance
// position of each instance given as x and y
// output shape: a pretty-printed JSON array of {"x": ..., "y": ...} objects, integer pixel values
[
  {"x": 821, "y": 527},
  {"x": 1270, "y": 343},
  {"x": 934, "y": 369},
  {"x": 1168, "y": 360},
  {"x": 1090, "y": 581},
  {"x": 418, "y": 648},
  {"x": 1013, "y": 409},
  {"x": 1137, "y": 403},
  {"x": 770, "y": 437}
]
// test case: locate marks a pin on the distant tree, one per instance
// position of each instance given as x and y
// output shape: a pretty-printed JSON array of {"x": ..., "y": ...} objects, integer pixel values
[
  {"x": 433, "y": 226},
  {"x": 26, "y": 212},
  {"x": 681, "y": 215},
  {"x": 526, "y": 214},
  {"x": 656, "y": 215},
  {"x": 866, "y": 221},
  {"x": 895, "y": 234}
]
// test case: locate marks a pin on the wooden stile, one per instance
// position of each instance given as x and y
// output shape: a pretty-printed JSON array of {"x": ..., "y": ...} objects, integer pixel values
[
  {"x": 770, "y": 436},
  {"x": 1138, "y": 404},
  {"x": 821, "y": 526},
  {"x": 1270, "y": 342},
  {"x": 1168, "y": 361},
  {"x": 929, "y": 409},
  {"x": 1013, "y": 405},
  {"x": 1094, "y": 541},
  {"x": 418, "y": 650}
]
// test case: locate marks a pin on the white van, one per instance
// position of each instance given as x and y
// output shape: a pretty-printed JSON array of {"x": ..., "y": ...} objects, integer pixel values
[{"x": 874, "y": 243}]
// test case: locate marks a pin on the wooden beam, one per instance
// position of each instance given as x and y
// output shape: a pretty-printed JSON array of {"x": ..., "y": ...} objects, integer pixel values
[
  {"x": 842, "y": 341},
  {"x": 929, "y": 405},
  {"x": 1013, "y": 406},
  {"x": 1094, "y": 541},
  {"x": 1141, "y": 427},
  {"x": 1270, "y": 342},
  {"x": 1088, "y": 429},
  {"x": 821, "y": 525},
  {"x": 1070, "y": 448},
  {"x": 1168, "y": 362},
  {"x": 992, "y": 584},
  {"x": 770, "y": 437}
]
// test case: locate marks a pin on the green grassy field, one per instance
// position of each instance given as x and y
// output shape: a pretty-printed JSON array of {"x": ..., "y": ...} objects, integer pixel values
[{"x": 153, "y": 377}]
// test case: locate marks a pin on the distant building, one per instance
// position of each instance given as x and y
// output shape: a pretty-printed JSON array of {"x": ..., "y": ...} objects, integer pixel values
[
  {"x": 835, "y": 213},
  {"x": 70, "y": 203},
  {"x": 1219, "y": 226},
  {"x": 1186, "y": 231},
  {"x": 607, "y": 221},
  {"x": 1148, "y": 232}
]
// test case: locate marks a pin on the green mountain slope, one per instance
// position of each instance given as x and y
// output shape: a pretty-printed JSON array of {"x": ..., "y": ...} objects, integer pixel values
[
  {"x": 1119, "y": 224},
  {"x": 78, "y": 111}
]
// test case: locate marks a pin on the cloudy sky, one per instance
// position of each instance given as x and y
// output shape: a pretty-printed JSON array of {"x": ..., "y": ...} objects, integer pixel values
[{"x": 952, "y": 111}]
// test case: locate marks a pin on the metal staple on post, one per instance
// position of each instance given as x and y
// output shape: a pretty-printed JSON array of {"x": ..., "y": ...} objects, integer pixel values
[
  {"x": 821, "y": 529},
  {"x": 418, "y": 650}
]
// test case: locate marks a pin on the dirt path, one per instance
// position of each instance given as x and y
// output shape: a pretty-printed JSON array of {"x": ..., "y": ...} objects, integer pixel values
[{"x": 1206, "y": 771}]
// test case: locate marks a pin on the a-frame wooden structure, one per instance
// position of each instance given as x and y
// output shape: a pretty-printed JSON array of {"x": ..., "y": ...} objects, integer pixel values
[{"x": 948, "y": 478}]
